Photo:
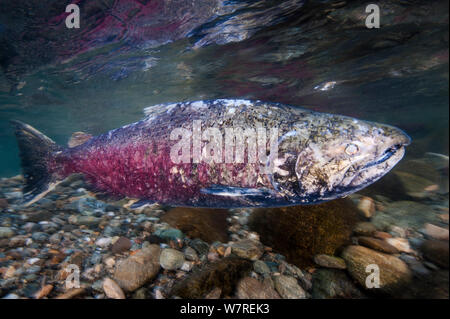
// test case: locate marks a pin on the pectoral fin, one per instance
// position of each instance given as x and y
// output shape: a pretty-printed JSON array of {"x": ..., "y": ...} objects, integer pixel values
[
  {"x": 141, "y": 203},
  {"x": 236, "y": 191}
]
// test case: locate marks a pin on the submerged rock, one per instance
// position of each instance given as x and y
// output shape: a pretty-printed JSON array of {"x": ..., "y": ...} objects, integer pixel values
[
  {"x": 122, "y": 244},
  {"x": 301, "y": 232},
  {"x": 112, "y": 289},
  {"x": 248, "y": 248},
  {"x": 437, "y": 251},
  {"x": 377, "y": 244},
  {"x": 394, "y": 273},
  {"x": 6, "y": 232},
  {"x": 288, "y": 287},
  {"x": 404, "y": 214},
  {"x": 206, "y": 224},
  {"x": 333, "y": 284},
  {"x": 252, "y": 288},
  {"x": 171, "y": 259},
  {"x": 223, "y": 274},
  {"x": 134, "y": 271},
  {"x": 329, "y": 261}
]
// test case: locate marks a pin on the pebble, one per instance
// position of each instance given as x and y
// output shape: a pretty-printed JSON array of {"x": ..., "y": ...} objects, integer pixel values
[
  {"x": 171, "y": 259},
  {"x": 187, "y": 266},
  {"x": 190, "y": 254},
  {"x": 103, "y": 242},
  {"x": 40, "y": 237},
  {"x": 261, "y": 267},
  {"x": 328, "y": 261},
  {"x": 136, "y": 270},
  {"x": 251, "y": 288},
  {"x": 364, "y": 229},
  {"x": 6, "y": 232},
  {"x": 248, "y": 248},
  {"x": 44, "y": 291},
  {"x": 200, "y": 246},
  {"x": 30, "y": 227},
  {"x": 121, "y": 245},
  {"x": 377, "y": 244},
  {"x": 288, "y": 287},
  {"x": 112, "y": 289},
  {"x": 71, "y": 293},
  {"x": 436, "y": 232},
  {"x": 402, "y": 244},
  {"x": 367, "y": 206}
]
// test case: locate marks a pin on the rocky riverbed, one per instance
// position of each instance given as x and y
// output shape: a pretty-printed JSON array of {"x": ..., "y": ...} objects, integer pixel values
[{"x": 320, "y": 251}]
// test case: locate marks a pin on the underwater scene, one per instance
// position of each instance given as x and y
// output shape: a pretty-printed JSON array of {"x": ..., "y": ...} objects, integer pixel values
[{"x": 224, "y": 149}]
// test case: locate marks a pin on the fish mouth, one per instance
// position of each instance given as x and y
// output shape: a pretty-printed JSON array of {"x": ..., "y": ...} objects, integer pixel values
[
  {"x": 388, "y": 153},
  {"x": 403, "y": 140}
]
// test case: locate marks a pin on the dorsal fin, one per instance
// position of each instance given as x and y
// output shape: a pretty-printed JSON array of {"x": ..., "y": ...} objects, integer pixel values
[
  {"x": 78, "y": 138},
  {"x": 158, "y": 108}
]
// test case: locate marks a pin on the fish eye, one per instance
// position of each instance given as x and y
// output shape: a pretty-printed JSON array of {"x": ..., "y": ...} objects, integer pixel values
[{"x": 351, "y": 149}]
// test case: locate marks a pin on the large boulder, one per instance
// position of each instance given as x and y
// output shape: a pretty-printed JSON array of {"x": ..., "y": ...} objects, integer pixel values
[
  {"x": 394, "y": 274},
  {"x": 207, "y": 224},
  {"x": 301, "y": 232}
]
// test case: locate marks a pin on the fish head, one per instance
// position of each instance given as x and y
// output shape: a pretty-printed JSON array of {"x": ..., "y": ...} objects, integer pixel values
[{"x": 336, "y": 156}]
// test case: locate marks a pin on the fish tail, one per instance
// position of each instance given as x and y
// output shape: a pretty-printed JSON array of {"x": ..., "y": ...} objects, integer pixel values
[{"x": 35, "y": 151}]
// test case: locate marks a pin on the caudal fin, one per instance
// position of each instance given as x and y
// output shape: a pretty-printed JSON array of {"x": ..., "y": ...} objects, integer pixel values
[{"x": 35, "y": 150}]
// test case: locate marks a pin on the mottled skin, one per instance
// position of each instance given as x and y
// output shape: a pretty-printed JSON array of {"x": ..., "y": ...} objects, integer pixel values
[{"x": 315, "y": 162}]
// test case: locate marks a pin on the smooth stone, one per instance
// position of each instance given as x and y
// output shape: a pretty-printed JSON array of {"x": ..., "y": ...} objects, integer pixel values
[
  {"x": 248, "y": 248},
  {"x": 436, "y": 232},
  {"x": 288, "y": 287},
  {"x": 40, "y": 237},
  {"x": 136, "y": 270},
  {"x": 89, "y": 221},
  {"x": 334, "y": 284},
  {"x": 103, "y": 242},
  {"x": 251, "y": 288},
  {"x": 328, "y": 261},
  {"x": 121, "y": 245},
  {"x": 6, "y": 232},
  {"x": 200, "y": 246},
  {"x": 30, "y": 227},
  {"x": 364, "y": 229},
  {"x": 377, "y": 244},
  {"x": 402, "y": 244},
  {"x": 367, "y": 206},
  {"x": 171, "y": 259},
  {"x": 112, "y": 289},
  {"x": 55, "y": 238},
  {"x": 223, "y": 274},
  {"x": 190, "y": 254},
  {"x": 261, "y": 267},
  {"x": 437, "y": 251},
  {"x": 394, "y": 273}
]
